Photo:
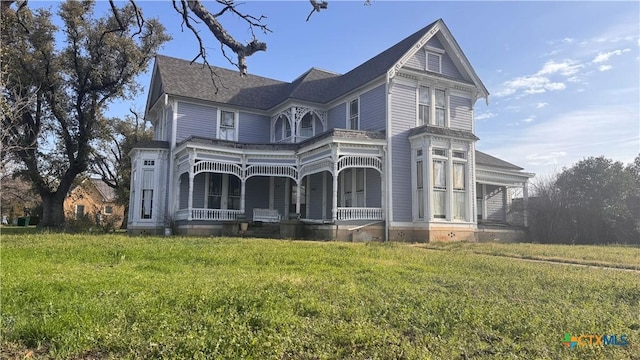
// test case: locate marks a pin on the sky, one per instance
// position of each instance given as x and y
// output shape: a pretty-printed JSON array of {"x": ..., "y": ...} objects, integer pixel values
[{"x": 564, "y": 76}]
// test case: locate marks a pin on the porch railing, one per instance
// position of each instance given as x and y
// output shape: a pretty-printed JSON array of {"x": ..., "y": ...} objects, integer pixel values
[
  {"x": 208, "y": 214},
  {"x": 359, "y": 213}
]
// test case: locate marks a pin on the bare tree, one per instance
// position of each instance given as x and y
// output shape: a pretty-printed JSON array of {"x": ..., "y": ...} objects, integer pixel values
[{"x": 71, "y": 84}]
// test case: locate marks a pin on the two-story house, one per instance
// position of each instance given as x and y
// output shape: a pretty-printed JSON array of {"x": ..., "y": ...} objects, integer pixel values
[{"x": 387, "y": 149}]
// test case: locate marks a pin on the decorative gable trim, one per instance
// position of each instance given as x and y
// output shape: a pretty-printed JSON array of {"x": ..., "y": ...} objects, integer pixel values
[{"x": 455, "y": 53}]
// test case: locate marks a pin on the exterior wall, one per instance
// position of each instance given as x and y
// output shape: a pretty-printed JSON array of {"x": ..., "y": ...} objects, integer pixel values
[
  {"x": 403, "y": 118},
  {"x": 199, "y": 185},
  {"x": 337, "y": 117},
  {"x": 256, "y": 194},
  {"x": 195, "y": 119},
  {"x": 314, "y": 206},
  {"x": 183, "y": 202},
  {"x": 253, "y": 128},
  {"x": 169, "y": 124},
  {"x": 461, "y": 113},
  {"x": 495, "y": 203},
  {"x": 373, "y": 186},
  {"x": 373, "y": 112}
]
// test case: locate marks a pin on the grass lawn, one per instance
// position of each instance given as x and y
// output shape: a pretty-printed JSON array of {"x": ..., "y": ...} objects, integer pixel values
[{"x": 111, "y": 296}]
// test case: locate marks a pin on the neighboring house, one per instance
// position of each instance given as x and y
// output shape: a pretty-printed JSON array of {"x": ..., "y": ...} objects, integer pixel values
[
  {"x": 94, "y": 200},
  {"x": 384, "y": 151}
]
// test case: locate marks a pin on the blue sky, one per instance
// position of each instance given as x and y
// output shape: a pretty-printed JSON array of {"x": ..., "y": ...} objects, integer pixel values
[{"x": 564, "y": 77}]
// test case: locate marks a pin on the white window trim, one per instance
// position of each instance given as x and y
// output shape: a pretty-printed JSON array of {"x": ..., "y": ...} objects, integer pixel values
[
  {"x": 436, "y": 52},
  {"x": 353, "y": 186},
  {"x": 432, "y": 105},
  {"x": 348, "y": 112},
  {"x": 104, "y": 210},
  {"x": 236, "y": 122}
]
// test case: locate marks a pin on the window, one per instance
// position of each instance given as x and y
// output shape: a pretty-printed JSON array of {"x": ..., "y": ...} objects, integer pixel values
[
  {"x": 79, "y": 211},
  {"x": 434, "y": 62},
  {"x": 439, "y": 152},
  {"x": 108, "y": 210},
  {"x": 147, "y": 194},
  {"x": 149, "y": 162},
  {"x": 354, "y": 118},
  {"x": 459, "y": 154},
  {"x": 223, "y": 192},
  {"x": 227, "y": 125},
  {"x": 420, "y": 184},
  {"x": 306, "y": 126},
  {"x": 439, "y": 189},
  {"x": 440, "y": 106},
  {"x": 459, "y": 195},
  {"x": 287, "y": 128},
  {"x": 424, "y": 99},
  {"x": 352, "y": 183}
]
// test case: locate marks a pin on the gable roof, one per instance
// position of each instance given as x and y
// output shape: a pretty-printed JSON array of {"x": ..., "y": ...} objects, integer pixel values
[
  {"x": 486, "y": 159},
  {"x": 194, "y": 80},
  {"x": 107, "y": 192}
]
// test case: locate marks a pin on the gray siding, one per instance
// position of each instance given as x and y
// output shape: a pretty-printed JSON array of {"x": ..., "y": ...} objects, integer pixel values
[
  {"x": 495, "y": 203},
  {"x": 184, "y": 191},
  {"x": 194, "y": 119},
  {"x": 403, "y": 118},
  {"x": 169, "y": 124},
  {"x": 330, "y": 195},
  {"x": 374, "y": 192},
  {"x": 460, "y": 112},
  {"x": 337, "y": 117},
  {"x": 254, "y": 128},
  {"x": 314, "y": 207},
  {"x": 373, "y": 112},
  {"x": 449, "y": 68},
  {"x": 278, "y": 199},
  {"x": 256, "y": 194},
  {"x": 199, "y": 185}
]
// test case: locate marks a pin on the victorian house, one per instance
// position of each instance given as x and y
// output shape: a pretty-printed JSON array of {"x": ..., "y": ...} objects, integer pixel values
[{"x": 385, "y": 151}]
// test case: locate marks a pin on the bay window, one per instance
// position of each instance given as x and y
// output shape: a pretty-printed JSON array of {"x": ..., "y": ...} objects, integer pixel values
[{"x": 420, "y": 184}]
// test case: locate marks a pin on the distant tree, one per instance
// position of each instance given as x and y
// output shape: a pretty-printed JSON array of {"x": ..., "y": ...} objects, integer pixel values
[
  {"x": 593, "y": 202},
  {"x": 110, "y": 158},
  {"x": 70, "y": 84}
]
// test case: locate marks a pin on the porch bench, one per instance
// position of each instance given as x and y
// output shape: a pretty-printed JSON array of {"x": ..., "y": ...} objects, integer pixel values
[{"x": 266, "y": 215}]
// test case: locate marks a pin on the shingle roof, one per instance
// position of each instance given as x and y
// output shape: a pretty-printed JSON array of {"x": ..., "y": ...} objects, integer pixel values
[
  {"x": 182, "y": 78},
  {"x": 107, "y": 192},
  {"x": 435, "y": 130},
  {"x": 486, "y": 159}
]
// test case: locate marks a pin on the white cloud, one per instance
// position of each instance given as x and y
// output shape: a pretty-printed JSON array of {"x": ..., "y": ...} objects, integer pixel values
[
  {"x": 540, "y": 105},
  {"x": 568, "y": 40},
  {"x": 605, "y": 56},
  {"x": 546, "y": 146},
  {"x": 529, "y": 119},
  {"x": 605, "y": 67},
  {"x": 566, "y": 68},
  {"x": 485, "y": 116},
  {"x": 533, "y": 84}
]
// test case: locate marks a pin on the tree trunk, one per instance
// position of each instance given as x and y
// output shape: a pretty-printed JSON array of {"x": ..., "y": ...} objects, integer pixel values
[
  {"x": 125, "y": 218},
  {"x": 52, "y": 210}
]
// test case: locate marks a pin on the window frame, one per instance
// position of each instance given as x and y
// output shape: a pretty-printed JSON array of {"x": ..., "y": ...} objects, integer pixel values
[
  {"x": 220, "y": 127},
  {"x": 104, "y": 209},
  {"x": 433, "y": 52},
  {"x": 351, "y": 117},
  {"x": 421, "y": 121},
  {"x": 353, "y": 191},
  {"x": 442, "y": 158},
  {"x": 312, "y": 118},
  {"x": 79, "y": 206}
]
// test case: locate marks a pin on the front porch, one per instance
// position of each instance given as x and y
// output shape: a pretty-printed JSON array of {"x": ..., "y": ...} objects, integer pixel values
[{"x": 333, "y": 178}]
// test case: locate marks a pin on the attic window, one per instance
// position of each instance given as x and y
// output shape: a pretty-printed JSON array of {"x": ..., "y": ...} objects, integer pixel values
[{"x": 434, "y": 62}]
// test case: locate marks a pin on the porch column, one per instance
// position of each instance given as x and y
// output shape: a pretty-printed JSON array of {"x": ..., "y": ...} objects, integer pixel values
[
  {"x": 324, "y": 195},
  {"x": 272, "y": 189},
  {"x": 298, "y": 196},
  {"x": 525, "y": 202},
  {"x": 334, "y": 196},
  {"x": 190, "y": 203},
  {"x": 242, "y": 192}
]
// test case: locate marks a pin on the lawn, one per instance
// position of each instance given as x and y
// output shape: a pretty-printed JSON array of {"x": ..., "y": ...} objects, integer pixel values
[{"x": 111, "y": 296}]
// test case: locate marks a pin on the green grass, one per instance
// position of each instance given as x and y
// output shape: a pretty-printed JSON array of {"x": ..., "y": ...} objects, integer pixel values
[
  {"x": 80, "y": 296},
  {"x": 624, "y": 257}
]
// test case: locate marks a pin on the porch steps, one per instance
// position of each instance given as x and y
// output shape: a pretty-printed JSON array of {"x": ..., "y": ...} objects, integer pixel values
[{"x": 263, "y": 230}]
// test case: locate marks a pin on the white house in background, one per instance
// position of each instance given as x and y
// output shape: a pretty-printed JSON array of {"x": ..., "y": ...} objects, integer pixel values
[{"x": 385, "y": 151}]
